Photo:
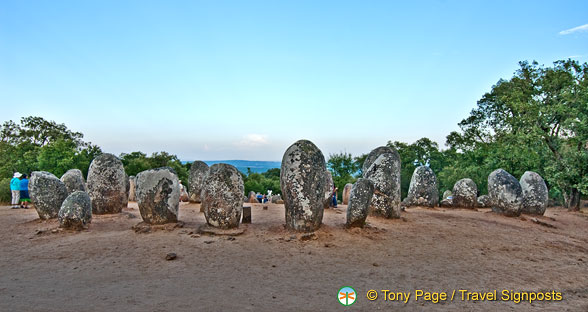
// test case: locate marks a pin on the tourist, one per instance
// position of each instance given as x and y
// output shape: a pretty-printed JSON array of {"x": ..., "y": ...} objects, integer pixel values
[
  {"x": 24, "y": 192},
  {"x": 334, "y": 197},
  {"x": 15, "y": 189}
]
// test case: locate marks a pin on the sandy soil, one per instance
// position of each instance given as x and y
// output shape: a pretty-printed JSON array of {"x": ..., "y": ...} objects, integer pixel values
[{"x": 110, "y": 267}]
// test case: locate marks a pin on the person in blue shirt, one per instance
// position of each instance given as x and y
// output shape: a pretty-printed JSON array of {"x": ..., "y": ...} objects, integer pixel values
[
  {"x": 15, "y": 189},
  {"x": 24, "y": 192}
]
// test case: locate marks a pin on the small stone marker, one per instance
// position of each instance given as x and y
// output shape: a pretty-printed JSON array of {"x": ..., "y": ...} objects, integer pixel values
[{"x": 246, "y": 214}]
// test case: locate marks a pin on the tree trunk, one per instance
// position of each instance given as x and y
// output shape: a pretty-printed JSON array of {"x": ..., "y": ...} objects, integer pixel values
[{"x": 572, "y": 200}]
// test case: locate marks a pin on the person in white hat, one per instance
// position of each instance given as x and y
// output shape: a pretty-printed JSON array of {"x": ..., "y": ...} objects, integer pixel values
[{"x": 15, "y": 189}]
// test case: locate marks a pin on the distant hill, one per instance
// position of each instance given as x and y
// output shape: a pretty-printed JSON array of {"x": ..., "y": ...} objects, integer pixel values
[{"x": 242, "y": 165}]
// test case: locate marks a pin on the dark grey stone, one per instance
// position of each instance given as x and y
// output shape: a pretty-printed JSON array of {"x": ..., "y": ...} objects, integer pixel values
[
  {"x": 158, "y": 195},
  {"x": 423, "y": 188},
  {"x": 484, "y": 201},
  {"x": 247, "y": 214},
  {"x": 198, "y": 171},
  {"x": 108, "y": 185},
  {"x": 447, "y": 203},
  {"x": 360, "y": 198},
  {"x": 535, "y": 193},
  {"x": 384, "y": 172},
  {"x": 302, "y": 179},
  {"x": 47, "y": 193},
  {"x": 505, "y": 193},
  {"x": 76, "y": 211},
  {"x": 465, "y": 194},
  {"x": 222, "y": 196},
  {"x": 74, "y": 181}
]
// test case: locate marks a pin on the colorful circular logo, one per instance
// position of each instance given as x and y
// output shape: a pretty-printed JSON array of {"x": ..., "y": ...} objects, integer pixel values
[{"x": 346, "y": 296}]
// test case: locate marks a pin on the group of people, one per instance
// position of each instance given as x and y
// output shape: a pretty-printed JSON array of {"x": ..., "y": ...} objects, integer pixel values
[{"x": 19, "y": 186}]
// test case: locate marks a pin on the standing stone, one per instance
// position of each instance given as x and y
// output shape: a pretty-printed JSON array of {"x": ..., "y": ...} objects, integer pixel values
[
  {"x": 465, "y": 194},
  {"x": 198, "y": 170},
  {"x": 76, "y": 211},
  {"x": 302, "y": 179},
  {"x": 484, "y": 201},
  {"x": 221, "y": 196},
  {"x": 384, "y": 172},
  {"x": 374, "y": 154},
  {"x": 183, "y": 194},
  {"x": 74, "y": 181},
  {"x": 447, "y": 203},
  {"x": 108, "y": 185},
  {"x": 329, "y": 187},
  {"x": 535, "y": 193},
  {"x": 446, "y": 194},
  {"x": 275, "y": 198},
  {"x": 505, "y": 193},
  {"x": 423, "y": 188},
  {"x": 132, "y": 188},
  {"x": 47, "y": 193},
  {"x": 346, "y": 193},
  {"x": 360, "y": 198},
  {"x": 158, "y": 195}
]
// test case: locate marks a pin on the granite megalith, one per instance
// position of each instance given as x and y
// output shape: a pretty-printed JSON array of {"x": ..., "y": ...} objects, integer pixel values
[
  {"x": 108, "y": 185},
  {"x": 384, "y": 172},
  {"x": 360, "y": 198},
  {"x": 465, "y": 194},
  {"x": 423, "y": 188},
  {"x": 346, "y": 193},
  {"x": 329, "y": 188},
  {"x": 47, "y": 193},
  {"x": 74, "y": 181},
  {"x": 302, "y": 179},
  {"x": 132, "y": 188},
  {"x": 158, "y": 195},
  {"x": 535, "y": 193},
  {"x": 505, "y": 193},
  {"x": 76, "y": 211},
  {"x": 222, "y": 196},
  {"x": 198, "y": 171}
]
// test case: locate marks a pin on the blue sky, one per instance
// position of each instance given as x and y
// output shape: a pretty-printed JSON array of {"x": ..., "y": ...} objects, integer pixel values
[{"x": 245, "y": 79}]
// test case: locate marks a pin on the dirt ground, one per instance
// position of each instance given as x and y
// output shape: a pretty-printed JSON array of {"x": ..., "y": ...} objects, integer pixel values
[{"x": 110, "y": 267}]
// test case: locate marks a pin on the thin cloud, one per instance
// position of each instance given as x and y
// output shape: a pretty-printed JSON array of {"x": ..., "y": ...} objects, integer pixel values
[
  {"x": 253, "y": 140},
  {"x": 575, "y": 29}
]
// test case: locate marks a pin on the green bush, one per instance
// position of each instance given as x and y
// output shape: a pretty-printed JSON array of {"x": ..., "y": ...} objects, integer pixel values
[{"x": 5, "y": 194}]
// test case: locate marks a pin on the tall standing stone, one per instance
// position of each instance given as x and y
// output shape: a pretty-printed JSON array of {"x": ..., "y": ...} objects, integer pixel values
[
  {"x": 329, "y": 187},
  {"x": 47, "y": 193},
  {"x": 346, "y": 193},
  {"x": 74, "y": 181},
  {"x": 198, "y": 171},
  {"x": 76, "y": 211},
  {"x": 132, "y": 188},
  {"x": 108, "y": 185},
  {"x": 465, "y": 194},
  {"x": 505, "y": 193},
  {"x": 158, "y": 195},
  {"x": 222, "y": 196},
  {"x": 535, "y": 193},
  {"x": 384, "y": 172},
  {"x": 423, "y": 188},
  {"x": 302, "y": 179},
  {"x": 360, "y": 198}
]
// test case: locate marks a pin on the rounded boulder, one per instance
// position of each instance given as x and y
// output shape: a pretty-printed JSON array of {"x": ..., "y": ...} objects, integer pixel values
[
  {"x": 108, "y": 185},
  {"x": 360, "y": 198},
  {"x": 222, "y": 196},
  {"x": 465, "y": 194},
  {"x": 76, "y": 211},
  {"x": 47, "y": 193},
  {"x": 74, "y": 181},
  {"x": 423, "y": 188},
  {"x": 158, "y": 195},
  {"x": 535, "y": 193},
  {"x": 302, "y": 179},
  {"x": 505, "y": 193},
  {"x": 198, "y": 171},
  {"x": 384, "y": 172}
]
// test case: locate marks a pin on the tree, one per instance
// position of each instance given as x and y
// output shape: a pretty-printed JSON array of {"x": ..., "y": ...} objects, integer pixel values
[
  {"x": 536, "y": 121},
  {"x": 343, "y": 168}
]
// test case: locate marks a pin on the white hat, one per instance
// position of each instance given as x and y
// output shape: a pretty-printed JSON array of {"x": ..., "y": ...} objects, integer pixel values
[{"x": 17, "y": 175}]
